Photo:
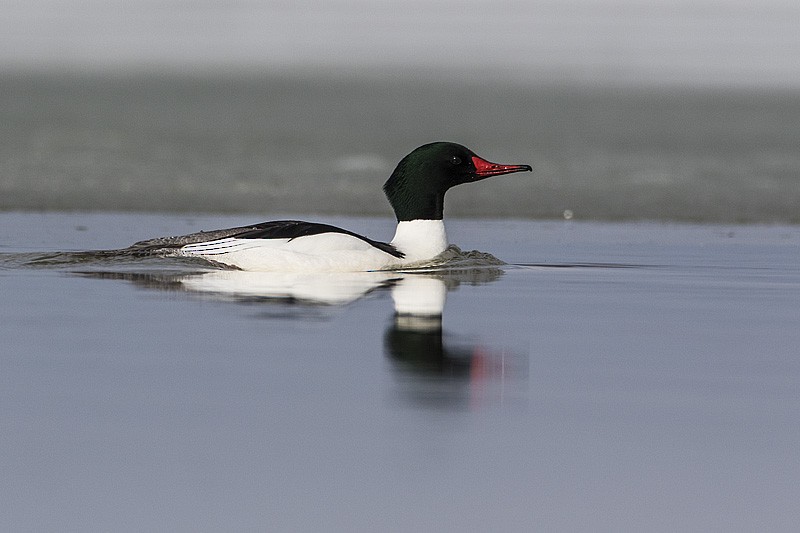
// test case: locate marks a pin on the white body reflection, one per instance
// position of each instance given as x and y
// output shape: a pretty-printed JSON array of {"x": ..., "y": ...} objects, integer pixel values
[
  {"x": 310, "y": 288},
  {"x": 419, "y": 295},
  {"x": 434, "y": 368}
]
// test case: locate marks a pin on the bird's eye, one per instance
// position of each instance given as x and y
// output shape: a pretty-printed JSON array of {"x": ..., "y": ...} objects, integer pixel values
[{"x": 455, "y": 160}]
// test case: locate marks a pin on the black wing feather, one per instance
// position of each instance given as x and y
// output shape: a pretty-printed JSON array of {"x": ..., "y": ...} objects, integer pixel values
[
  {"x": 292, "y": 229},
  {"x": 278, "y": 229}
]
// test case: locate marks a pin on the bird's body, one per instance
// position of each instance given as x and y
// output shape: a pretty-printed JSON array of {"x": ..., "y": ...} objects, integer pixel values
[
  {"x": 415, "y": 190},
  {"x": 331, "y": 249}
]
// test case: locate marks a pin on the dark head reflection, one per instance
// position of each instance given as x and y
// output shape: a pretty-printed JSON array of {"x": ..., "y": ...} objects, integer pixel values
[{"x": 435, "y": 369}]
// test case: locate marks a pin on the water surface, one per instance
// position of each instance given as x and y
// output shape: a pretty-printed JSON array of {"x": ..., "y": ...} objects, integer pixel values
[{"x": 608, "y": 377}]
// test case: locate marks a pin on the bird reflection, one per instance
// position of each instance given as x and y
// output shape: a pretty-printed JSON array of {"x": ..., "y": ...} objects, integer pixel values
[
  {"x": 434, "y": 368},
  {"x": 414, "y": 339}
]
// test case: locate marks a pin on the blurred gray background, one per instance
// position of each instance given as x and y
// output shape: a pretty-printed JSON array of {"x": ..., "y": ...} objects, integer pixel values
[{"x": 626, "y": 109}]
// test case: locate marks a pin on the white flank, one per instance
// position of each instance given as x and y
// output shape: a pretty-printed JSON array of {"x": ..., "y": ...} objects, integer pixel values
[
  {"x": 419, "y": 240},
  {"x": 325, "y": 252}
]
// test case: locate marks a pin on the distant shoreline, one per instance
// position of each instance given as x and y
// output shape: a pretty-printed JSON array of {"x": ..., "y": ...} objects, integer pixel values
[{"x": 303, "y": 142}]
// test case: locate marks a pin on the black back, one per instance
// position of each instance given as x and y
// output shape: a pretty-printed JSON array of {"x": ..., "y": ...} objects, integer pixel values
[
  {"x": 292, "y": 229},
  {"x": 278, "y": 229}
]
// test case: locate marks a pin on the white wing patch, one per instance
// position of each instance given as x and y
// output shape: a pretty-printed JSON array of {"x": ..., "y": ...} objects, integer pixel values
[{"x": 229, "y": 245}]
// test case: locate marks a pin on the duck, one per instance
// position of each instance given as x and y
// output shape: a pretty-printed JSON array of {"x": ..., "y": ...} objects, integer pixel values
[{"x": 415, "y": 190}]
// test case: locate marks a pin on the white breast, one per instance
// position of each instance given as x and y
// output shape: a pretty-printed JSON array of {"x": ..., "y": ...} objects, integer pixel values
[{"x": 420, "y": 240}]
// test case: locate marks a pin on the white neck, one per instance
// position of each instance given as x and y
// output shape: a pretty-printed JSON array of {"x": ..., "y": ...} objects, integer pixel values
[{"x": 420, "y": 239}]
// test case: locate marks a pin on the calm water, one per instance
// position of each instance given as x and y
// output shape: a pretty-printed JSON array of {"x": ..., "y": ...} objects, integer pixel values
[
  {"x": 610, "y": 377},
  {"x": 325, "y": 144}
]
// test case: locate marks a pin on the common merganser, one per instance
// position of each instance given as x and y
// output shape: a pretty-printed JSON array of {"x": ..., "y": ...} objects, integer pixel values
[{"x": 415, "y": 190}]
